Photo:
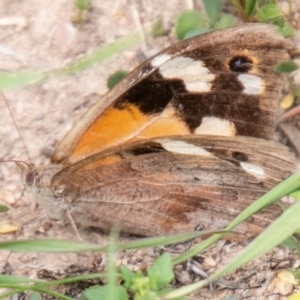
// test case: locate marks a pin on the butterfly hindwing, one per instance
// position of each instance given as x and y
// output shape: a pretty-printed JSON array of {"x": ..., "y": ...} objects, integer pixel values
[{"x": 177, "y": 182}]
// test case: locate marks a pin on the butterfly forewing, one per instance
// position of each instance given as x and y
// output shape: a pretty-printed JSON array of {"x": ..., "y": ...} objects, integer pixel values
[{"x": 217, "y": 83}]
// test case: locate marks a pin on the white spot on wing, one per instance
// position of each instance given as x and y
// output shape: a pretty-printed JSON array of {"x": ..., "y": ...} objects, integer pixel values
[
  {"x": 185, "y": 148},
  {"x": 252, "y": 84},
  {"x": 255, "y": 170},
  {"x": 216, "y": 126},
  {"x": 196, "y": 76},
  {"x": 160, "y": 59}
]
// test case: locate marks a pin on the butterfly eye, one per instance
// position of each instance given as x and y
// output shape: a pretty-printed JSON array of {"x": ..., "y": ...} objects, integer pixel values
[
  {"x": 240, "y": 156},
  {"x": 240, "y": 64},
  {"x": 30, "y": 178}
]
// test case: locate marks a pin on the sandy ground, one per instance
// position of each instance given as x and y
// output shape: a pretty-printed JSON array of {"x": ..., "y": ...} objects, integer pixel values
[{"x": 39, "y": 35}]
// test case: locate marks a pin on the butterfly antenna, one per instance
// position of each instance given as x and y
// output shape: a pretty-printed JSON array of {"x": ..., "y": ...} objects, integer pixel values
[{"x": 16, "y": 126}]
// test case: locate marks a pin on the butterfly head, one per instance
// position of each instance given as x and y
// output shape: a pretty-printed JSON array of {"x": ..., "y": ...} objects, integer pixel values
[{"x": 29, "y": 173}]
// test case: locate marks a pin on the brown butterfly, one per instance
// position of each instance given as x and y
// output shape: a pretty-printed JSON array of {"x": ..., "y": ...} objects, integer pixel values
[{"x": 182, "y": 141}]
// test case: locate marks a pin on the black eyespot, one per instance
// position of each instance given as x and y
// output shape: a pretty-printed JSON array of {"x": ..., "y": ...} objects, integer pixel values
[
  {"x": 240, "y": 156},
  {"x": 30, "y": 178},
  {"x": 240, "y": 64}
]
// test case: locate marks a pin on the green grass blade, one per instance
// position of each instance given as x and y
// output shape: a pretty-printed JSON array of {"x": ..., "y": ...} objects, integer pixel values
[{"x": 24, "y": 78}]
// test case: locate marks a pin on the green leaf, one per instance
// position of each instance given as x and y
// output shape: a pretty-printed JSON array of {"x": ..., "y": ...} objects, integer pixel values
[
  {"x": 3, "y": 208},
  {"x": 161, "y": 272},
  {"x": 35, "y": 296},
  {"x": 97, "y": 292},
  {"x": 82, "y": 4},
  {"x": 286, "y": 67},
  {"x": 139, "y": 285},
  {"x": 196, "y": 32},
  {"x": 296, "y": 273},
  {"x": 225, "y": 21},
  {"x": 188, "y": 20},
  {"x": 250, "y": 7},
  {"x": 287, "y": 30},
  {"x": 115, "y": 78},
  {"x": 127, "y": 276},
  {"x": 213, "y": 10},
  {"x": 291, "y": 243},
  {"x": 270, "y": 12},
  {"x": 158, "y": 28}
]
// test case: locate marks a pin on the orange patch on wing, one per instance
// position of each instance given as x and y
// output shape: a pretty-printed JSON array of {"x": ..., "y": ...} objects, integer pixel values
[
  {"x": 111, "y": 128},
  {"x": 164, "y": 127},
  {"x": 96, "y": 163}
]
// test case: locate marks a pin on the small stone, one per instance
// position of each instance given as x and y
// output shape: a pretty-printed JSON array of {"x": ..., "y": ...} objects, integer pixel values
[
  {"x": 280, "y": 286},
  {"x": 210, "y": 261},
  {"x": 288, "y": 277},
  {"x": 64, "y": 39}
]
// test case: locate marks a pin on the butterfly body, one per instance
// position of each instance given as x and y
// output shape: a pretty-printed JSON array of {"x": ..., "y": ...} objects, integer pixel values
[{"x": 181, "y": 140}]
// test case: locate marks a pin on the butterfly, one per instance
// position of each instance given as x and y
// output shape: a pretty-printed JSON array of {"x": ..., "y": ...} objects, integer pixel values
[{"x": 183, "y": 141}]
